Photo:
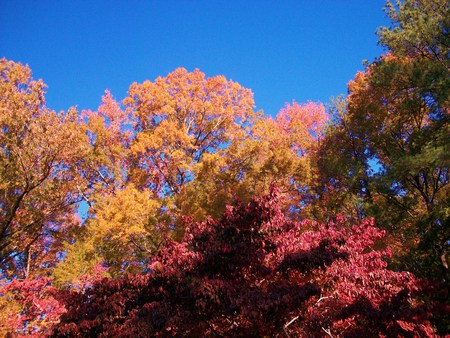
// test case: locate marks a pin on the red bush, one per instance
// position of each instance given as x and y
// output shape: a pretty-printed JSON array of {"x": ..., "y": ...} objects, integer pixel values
[{"x": 256, "y": 273}]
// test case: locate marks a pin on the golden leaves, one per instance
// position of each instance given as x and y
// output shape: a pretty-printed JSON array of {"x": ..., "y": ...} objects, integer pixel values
[
  {"x": 38, "y": 183},
  {"x": 179, "y": 119}
]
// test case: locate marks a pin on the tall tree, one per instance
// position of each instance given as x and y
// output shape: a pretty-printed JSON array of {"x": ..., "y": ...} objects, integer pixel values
[
  {"x": 343, "y": 183},
  {"x": 394, "y": 133},
  {"x": 179, "y": 119},
  {"x": 39, "y": 186}
]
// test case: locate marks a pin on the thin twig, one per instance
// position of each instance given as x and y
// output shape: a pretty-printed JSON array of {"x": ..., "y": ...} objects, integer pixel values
[
  {"x": 291, "y": 321},
  {"x": 322, "y": 298},
  {"x": 328, "y": 332}
]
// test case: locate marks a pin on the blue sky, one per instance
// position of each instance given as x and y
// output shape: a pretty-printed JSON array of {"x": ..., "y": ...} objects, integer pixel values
[{"x": 282, "y": 50}]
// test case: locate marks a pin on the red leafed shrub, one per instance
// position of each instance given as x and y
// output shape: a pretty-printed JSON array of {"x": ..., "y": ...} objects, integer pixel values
[{"x": 256, "y": 273}]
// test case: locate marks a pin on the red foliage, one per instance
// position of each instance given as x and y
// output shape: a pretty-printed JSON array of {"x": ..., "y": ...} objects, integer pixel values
[
  {"x": 39, "y": 307},
  {"x": 255, "y": 273}
]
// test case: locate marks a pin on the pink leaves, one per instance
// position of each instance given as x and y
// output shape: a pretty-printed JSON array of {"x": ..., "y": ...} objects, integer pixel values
[{"x": 305, "y": 123}]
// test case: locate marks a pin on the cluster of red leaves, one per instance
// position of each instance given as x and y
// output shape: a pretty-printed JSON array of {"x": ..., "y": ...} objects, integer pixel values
[
  {"x": 255, "y": 273},
  {"x": 36, "y": 303}
]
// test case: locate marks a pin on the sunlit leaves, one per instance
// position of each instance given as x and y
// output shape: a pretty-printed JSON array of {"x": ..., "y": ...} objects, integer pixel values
[
  {"x": 168, "y": 178},
  {"x": 39, "y": 184},
  {"x": 274, "y": 150},
  {"x": 180, "y": 118},
  {"x": 303, "y": 123}
]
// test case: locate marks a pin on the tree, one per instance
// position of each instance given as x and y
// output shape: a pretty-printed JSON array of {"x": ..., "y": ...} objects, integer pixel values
[
  {"x": 179, "y": 119},
  {"x": 277, "y": 149},
  {"x": 390, "y": 140},
  {"x": 107, "y": 162},
  {"x": 39, "y": 185},
  {"x": 105, "y": 168},
  {"x": 141, "y": 159},
  {"x": 420, "y": 30},
  {"x": 343, "y": 169},
  {"x": 256, "y": 273}
]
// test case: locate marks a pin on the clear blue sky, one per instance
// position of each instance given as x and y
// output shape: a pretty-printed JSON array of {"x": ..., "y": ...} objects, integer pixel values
[{"x": 282, "y": 50}]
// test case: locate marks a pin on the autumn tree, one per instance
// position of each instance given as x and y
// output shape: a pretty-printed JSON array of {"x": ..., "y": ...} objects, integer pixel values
[
  {"x": 276, "y": 149},
  {"x": 39, "y": 185},
  {"x": 179, "y": 119},
  {"x": 341, "y": 168},
  {"x": 109, "y": 133},
  {"x": 388, "y": 144},
  {"x": 110, "y": 201}
]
